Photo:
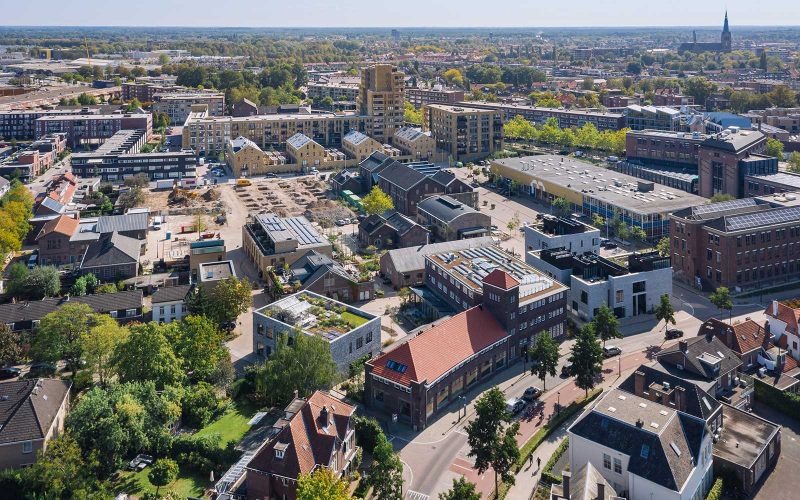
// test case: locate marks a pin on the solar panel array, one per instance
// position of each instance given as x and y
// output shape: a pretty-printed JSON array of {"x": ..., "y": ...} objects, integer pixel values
[
  {"x": 299, "y": 227},
  {"x": 725, "y": 205},
  {"x": 479, "y": 262},
  {"x": 760, "y": 219}
]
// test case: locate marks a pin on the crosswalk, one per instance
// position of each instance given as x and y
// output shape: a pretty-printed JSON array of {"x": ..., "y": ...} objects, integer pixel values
[{"x": 416, "y": 495}]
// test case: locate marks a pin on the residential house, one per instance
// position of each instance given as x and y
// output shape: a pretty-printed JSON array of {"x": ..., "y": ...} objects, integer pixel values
[
  {"x": 782, "y": 320},
  {"x": 587, "y": 483},
  {"x": 211, "y": 273},
  {"x": 169, "y": 303},
  {"x": 25, "y": 316},
  {"x": 54, "y": 240},
  {"x": 359, "y": 145},
  {"x": 320, "y": 274},
  {"x": 32, "y": 412},
  {"x": 407, "y": 186},
  {"x": 112, "y": 257},
  {"x": 391, "y": 230},
  {"x": 413, "y": 142},
  {"x": 448, "y": 219},
  {"x": 313, "y": 433},
  {"x": 133, "y": 224},
  {"x": 346, "y": 180}
]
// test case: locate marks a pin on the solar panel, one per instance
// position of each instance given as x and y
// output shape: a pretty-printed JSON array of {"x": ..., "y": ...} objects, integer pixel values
[
  {"x": 777, "y": 216},
  {"x": 725, "y": 205}
]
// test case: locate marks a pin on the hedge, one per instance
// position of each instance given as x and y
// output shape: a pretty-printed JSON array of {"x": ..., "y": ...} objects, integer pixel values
[
  {"x": 542, "y": 434},
  {"x": 715, "y": 493},
  {"x": 784, "y": 402},
  {"x": 547, "y": 474}
]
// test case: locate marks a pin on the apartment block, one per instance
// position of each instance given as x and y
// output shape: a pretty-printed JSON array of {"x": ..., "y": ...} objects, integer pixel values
[
  {"x": 178, "y": 105},
  {"x": 555, "y": 232},
  {"x": 86, "y": 128},
  {"x": 437, "y": 94},
  {"x": 145, "y": 91},
  {"x": 465, "y": 133},
  {"x": 381, "y": 98},
  {"x": 337, "y": 88},
  {"x": 652, "y": 117},
  {"x": 566, "y": 117}
]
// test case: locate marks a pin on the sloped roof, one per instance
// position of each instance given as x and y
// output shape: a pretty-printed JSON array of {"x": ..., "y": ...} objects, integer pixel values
[
  {"x": 137, "y": 221},
  {"x": 110, "y": 250},
  {"x": 698, "y": 348},
  {"x": 413, "y": 258},
  {"x": 170, "y": 294},
  {"x": 699, "y": 403},
  {"x": 240, "y": 143},
  {"x": 500, "y": 279},
  {"x": 63, "y": 224},
  {"x": 101, "y": 303},
  {"x": 786, "y": 314},
  {"x": 29, "y": 407},
  {"x": 583, "y": 484},
  {"x": 741, "y": 337},
  {"x": 298, "y": 140},
  {"x": 51, "y": 204},
  {"x": 402, "y": 175},
  {"x": 410, "y": 133},
  {"x": 355, "y": 137},
  {"x": 307, "y": 438},
  {"x": 434, "y": 352},
  {"x": 444, "y": 208}
]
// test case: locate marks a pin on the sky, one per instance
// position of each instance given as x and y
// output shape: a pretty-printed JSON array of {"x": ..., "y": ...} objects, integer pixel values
[{"x": 398, "y": 13}]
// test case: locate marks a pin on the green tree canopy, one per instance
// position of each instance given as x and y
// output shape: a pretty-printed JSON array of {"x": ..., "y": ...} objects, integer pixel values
[
  {"x": 775, "y": 148},
  {"x": 544, "y": 356},
  {"x": 162, "y": 472},
  {"x": 461, "y": 490},
  {"x": 59, "y": 335},
  {"x": 586, "y": 358},
  {"x": 322, "y": 484},
  {"x": 721, "y": 298},
  {"x": 665, "y": 312},
  {"x": 229, "y": 299},
  {"x": 377, "y": 202},
  {"x": 146, "y": 355},
  {"x": 386, "y": 474},
  {"x": 605, "y": 324}
]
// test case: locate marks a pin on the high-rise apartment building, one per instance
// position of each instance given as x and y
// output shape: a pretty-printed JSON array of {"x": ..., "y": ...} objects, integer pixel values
[{"x": 381, "y": 97}]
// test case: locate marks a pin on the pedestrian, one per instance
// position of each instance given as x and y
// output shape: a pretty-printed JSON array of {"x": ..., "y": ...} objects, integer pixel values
[
  {"x": 538, "y": 462},
  {"x": 530, "y": 461}
]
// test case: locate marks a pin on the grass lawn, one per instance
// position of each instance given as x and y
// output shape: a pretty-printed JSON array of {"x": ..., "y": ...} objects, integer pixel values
[
  {"x": 354, "y": 319},
  {"x": 232, "y": 425},
  {"x": 136, "y": 483}
]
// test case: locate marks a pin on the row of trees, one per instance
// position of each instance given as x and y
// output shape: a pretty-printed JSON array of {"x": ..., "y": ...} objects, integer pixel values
[{"x": 587, "y": 136}]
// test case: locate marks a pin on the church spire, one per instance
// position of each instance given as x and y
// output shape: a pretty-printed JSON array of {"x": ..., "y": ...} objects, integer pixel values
[{"x": 725, "y": 26}]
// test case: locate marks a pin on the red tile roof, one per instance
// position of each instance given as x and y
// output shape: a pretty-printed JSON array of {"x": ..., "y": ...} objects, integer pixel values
[
  {"x": 786, "y": 314},
  {"x": 307, "y": 441},
  {"x": 501, "y": 279},
  {"x": 63, "y": 224},
  {"x": 744, "y": 337},
  {"x": 434, "y": 352}
]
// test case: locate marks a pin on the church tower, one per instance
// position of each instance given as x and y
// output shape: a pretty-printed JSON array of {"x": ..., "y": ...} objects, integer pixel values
[{"x": 726, "y": 36}]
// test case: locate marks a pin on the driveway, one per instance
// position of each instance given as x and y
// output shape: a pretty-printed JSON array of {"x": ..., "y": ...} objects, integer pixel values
[{"x": 783, "y": 478}]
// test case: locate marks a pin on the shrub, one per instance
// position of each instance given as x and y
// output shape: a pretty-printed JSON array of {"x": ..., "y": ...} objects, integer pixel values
[
  {"x": 199, "y": 405},
  {"x": 715, "y": 493},
  {"x": 367, "y": 431},
  {"x": 784, "y": 402},
  {"x": 203, "y": 453}
]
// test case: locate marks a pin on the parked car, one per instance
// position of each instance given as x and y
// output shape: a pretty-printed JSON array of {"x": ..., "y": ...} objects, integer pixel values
[
  {"x": 610, "y": 351},
  {"x": 514, "y": 405},
  {"x": 271, "y": 175},
  {"x": 674, "y": 333},
  {"x": 566, "y": 370},
  {"x": 10, "y": 372},
  {"x": 42, "y": 369},
  {"x": 610, "y": 245},
  {"x": 532, "y": 393},
  {"x": 341, "y": 222}
]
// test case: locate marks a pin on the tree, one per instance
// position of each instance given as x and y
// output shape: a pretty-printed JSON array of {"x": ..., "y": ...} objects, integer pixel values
[
  {"x": 637, "y": 234},
  {"x": 62, "y": 472},
  {"x": 586, "y": 358},
  {"x": 519, "y": 128},
  {"x": 99, "y": 343},
  {"x": 411, "y": 114},
  {"x": 198, "y": 343},
  {"x": 665, "y": 312},
  {"x": 230, "y": 298},
  {"x": 322, "y": 484},
  {"x": 663, "y": 246},
  {"x": 85, "y": 284},
  {"x": 147, "y": 355},
  {"x": 386, "y": 475},
  {"x": 42, "y": 281},
  {"x": 721, "y": 298},
  {"x": 699, "y": 87},
  {"x": 10, "y": 345},
  {"x": 775, "y": 148},
  {"x": 762, "y": 61},
  {"x": 461, "y": 490},
  {"x": 59, "y": 335},
  {"x": 561, "y": 206},
  {"x": 137, "y": 181},
  {"x": 721, "y": 197},
  {"x": 605, "y": 324},
  {"x": 794, "y": 162},
  {"x": 454, "y": 77},
  {"x": 367, "y": 430},
  {"x": 17, "y": 276},
  {"x": 131, "y": 198},
  {"x": 544, "y": 356},
  {"x": 162, "y": 472},
  {"x": 377, "y": 202},
  {"x": 199, "y": 405},
  {"x": 487, "y": 439},
  {"x": 304, "y": 365}
]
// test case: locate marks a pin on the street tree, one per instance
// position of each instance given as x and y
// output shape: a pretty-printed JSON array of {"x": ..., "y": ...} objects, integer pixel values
[
  {"x": 147, "y": 355},
  {"x": 488, "y": 436},
  {"x": 605, "y": 324},
  {"x": 162, "y": 472},
  {"x": 544, "y": 357},
  {"x": 229, "y": 299},
  {"x": 586, "y": 358},
  {"x": 322, "y": 484},
  {"x": 386, "y": 474},
  {"x": 377, "y": 202},
  {"x": 461, "y": 490},
  {"x": 10, "y": 345},
  {"x": 665, "y": 312},
  {"x": 721, "y": 298}
]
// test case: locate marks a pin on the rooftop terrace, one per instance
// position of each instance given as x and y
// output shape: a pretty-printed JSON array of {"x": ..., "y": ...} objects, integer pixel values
[{"x": 317, "y": 315}]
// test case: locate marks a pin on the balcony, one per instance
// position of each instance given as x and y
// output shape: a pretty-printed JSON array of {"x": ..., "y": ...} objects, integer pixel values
[{"x": 739, "y": 395}]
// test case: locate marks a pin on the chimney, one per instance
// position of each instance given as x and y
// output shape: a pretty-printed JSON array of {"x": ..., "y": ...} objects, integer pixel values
[
  {"x": 295, "y": 394},
  {"x": 324, "y": 416},
  {"x": 679, "y": 398},
  {"x": 638, "y": 382},
  {"x": 775, "y": 308},
  {"x": 683, "y": 345},
  {"x": 601, "y": 490},
  {"x": 728, "y": 336},
  {"x": 565, "y": 477}
]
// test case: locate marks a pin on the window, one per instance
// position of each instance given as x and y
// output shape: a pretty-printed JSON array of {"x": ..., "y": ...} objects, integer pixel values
[
  {"x": 645, "y": 451},
  {"x": 584, "y": 297},
  {"x": 618, "y": 466},
  {"x": 607, "y": 461},
  {"x": 129, "y": 313},
  {"x": 27, "y": 447},
  {"x": 639, "y": 286},
  {"x": 369, "y": 337},
  {"x": 620, "y": 296}
]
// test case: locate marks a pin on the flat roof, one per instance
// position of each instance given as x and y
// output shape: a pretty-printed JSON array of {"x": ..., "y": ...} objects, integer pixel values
[
  {"x": 216, "y": 271},
  {"x": 289, "y": 228},
  {"x": 471, "y": 265},
  {"x": 602, "y": 184},
  {"x": 573, "y": 111},
  {"x": 784, "y": 178},
  {"x": 743, "y": 437},
  {"x": 665, "y": 134},
  {"x": 630, "y": 408}
]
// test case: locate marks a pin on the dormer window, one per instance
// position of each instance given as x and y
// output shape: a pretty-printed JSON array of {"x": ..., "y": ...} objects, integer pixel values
[{"x": 280, "y": 450}]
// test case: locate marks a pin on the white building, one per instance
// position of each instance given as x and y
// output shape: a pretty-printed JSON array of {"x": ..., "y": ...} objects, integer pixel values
[
  {"x": 169, "y": 303},
  {"x": 554, "y": 232},
  {"x": 645, "y": 450},
  {"x": 783, "y": 325}
]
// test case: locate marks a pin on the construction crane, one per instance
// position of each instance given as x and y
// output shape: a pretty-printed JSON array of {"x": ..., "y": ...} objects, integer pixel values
[{"x": 86, "y": 46}]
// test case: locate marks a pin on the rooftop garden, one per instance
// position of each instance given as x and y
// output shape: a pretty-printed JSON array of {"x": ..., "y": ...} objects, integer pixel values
[{"x": 329, "y": 316}]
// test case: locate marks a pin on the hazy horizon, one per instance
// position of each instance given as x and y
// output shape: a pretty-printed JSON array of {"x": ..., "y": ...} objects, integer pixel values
[{"x": 464, "y": 14}]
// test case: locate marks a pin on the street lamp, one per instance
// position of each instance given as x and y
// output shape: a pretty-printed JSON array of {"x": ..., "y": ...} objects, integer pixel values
[{"x": 558, "y": 402}]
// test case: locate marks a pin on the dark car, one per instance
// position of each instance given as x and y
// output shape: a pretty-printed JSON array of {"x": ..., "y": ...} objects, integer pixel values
[
  {"x": 674, "y": 333},
  {"x": 610, "y": 351},
  {"x": 610, "y": 245},
  {"x": 566, "y": 370},
  {"x": 531, "y": 393},
  {"x": 42, "y": 369},
  {"x": 10, "y": 372}
]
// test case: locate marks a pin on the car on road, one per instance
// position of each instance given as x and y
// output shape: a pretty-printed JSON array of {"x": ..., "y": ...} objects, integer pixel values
[
  {"x": 514, "y": 405},
  {"x": 674, "y": 333},
  {"x": 9, "y": 372},
  {"x": 610, "y": 351},
  {"x": 566, "y": 370},
  {"x": 531, "y": 393},
  {"x": 42, "y": 369},
  {"x": 341, "y": 222}
]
